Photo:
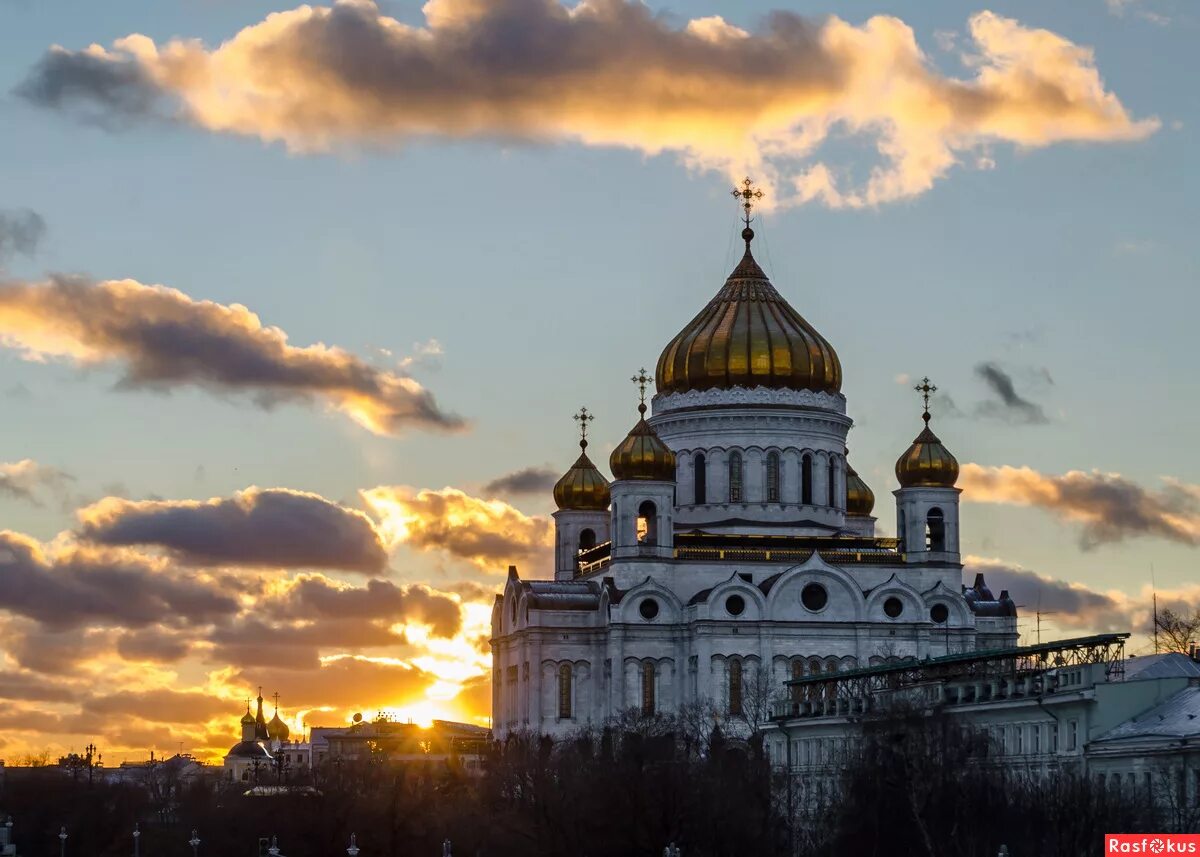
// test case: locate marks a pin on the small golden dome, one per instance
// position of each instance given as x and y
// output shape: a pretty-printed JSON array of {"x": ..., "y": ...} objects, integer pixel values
[
  {"x": 748, "y": 336},
  {"x": 583, "y": 486},
  {"x": 247, "y": 718},
  {"x": 927, "y": 463},
  {"x": 642, "y": 455},
  {"x": 277, "y": 730},
  {"x": 860, "y": 499}
]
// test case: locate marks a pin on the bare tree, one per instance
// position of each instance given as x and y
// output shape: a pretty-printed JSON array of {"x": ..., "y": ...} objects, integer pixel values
[
  {"x": 759, "y": 694},
  {"x": 1178, "y": 632}
]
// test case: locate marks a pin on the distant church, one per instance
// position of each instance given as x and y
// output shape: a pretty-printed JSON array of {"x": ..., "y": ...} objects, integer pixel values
[{"x": 735, "y": 546}]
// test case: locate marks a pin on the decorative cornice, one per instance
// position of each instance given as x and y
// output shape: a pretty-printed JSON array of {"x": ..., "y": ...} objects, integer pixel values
[{"x": 735, "y": 396}]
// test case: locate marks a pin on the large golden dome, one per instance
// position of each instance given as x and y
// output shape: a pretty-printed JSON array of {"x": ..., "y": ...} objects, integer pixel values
[
  {"x": 860, "y": 499},
  {"x": 748, "y": 336},
  {"x": 641, "y": 455},
  {"x": 583, "y": 486},
  {"x": 927, "y": 463}
]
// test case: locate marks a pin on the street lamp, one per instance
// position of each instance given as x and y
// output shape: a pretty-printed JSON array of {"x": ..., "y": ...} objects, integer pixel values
[
  {"x": 194, "y": 842},
  {"x": 137, "y": 834},
  {"x": 671, "y": 850},
  {"x": 274, "y": 849},
  {"x": 353, "y": 849},
  {"x": 62, "y": 842},
  {"x": 446, "y": 848}
]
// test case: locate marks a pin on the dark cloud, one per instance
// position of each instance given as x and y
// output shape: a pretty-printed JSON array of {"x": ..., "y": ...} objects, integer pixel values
[
  {"x": 20, "y": 232},
  {"x": 1008, "y": 406},
  {"x": 1110, "y": 507},
  {"x": 75, "y": 586},
  {"x": 163, "y": 339},
  {"x": 609, "y": 73},
  {"x": 273, "y": 527},
  {"x": 253, "y": 642},
  {"x": 530, "y": 480},
  {"x": 32, "y": 687},
  {"x": 314, "y": 596},
  {"x": 155, "y": 644}
]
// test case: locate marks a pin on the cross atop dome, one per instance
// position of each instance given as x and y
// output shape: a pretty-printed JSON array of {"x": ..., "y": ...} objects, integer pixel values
[
  {"x": 925, "y": 388},
  {"x": 747, "y": 193},
  {"x": 641, "y": 379},
  {"x": 583, "y": 418}
]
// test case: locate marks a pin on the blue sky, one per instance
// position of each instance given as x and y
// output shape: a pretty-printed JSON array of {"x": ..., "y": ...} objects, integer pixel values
[{"x": 549, "y": 273}]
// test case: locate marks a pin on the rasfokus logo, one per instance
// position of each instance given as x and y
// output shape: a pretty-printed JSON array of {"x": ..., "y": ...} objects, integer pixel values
[{"x": 1152, "y": 843}]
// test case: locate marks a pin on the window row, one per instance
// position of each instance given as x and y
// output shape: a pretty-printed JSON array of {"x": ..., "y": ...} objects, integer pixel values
[{"x": 772, "y": 479}]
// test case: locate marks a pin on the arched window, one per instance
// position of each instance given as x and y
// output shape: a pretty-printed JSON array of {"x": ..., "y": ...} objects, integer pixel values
[
  {"x": 797, "y": 673},
  {"x": 814, "y": 668},
  {"x": 773, "y": 477},
  {"x": 648, "y": 688},
  {"x": 832, "y": 499},
  {"x": 935, "y": 530},
  {"x": 587, "y": 539},
  {"x": 700, "y": 479},
  {"x": 735, "y": 477},
  {"x": 564, "y": 692},
  {"x": 806, "y": 479},
  {"x": 647, "y": 523},
  {"x": 735, "y": 687}
]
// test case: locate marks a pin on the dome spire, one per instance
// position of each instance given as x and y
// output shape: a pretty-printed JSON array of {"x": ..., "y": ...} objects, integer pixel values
[
  {"x": 583, "y": 418},
  {"x": 926, "y": 463},
  {"x": 641, "y": 379},
  {"x": 925, "y": 388}
]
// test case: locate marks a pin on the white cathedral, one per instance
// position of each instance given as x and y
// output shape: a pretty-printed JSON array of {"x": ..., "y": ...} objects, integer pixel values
[{"x": 735, "y": 546}]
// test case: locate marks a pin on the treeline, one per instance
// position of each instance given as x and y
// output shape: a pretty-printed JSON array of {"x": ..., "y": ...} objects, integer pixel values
[{"x": 912, "y": 787}]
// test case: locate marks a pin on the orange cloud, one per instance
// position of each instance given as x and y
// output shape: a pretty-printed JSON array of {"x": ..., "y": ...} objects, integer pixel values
[
  {"x": 490, "y": 534},
  {"x": 613, "y": 73},
  {"x": 1110, "y": 507},
  {"x": 162, "y": 338}
]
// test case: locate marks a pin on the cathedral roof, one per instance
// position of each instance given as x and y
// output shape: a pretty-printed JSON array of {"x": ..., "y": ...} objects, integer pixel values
[
  {"x": 641, "y": 455},
  {"x": 748, "y": 336},
  {"x": 248, "y": 750},
  {"x": 583, "y": 486},
  {"x": 860, "y": 499},
  {"x": 927, "y": 463}
]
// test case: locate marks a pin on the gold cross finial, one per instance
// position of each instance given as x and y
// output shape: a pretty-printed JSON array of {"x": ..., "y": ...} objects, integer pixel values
[
  {"x": 925, "y": 388},
  {"x": 747, "y": 193},
  {"x": 583, "y": 418},
  {"x": 641, "y": 379},
  {"x": 276, "y": 695}
]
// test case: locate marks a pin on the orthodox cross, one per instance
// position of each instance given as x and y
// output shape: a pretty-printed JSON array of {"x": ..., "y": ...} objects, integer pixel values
[
  {"x": 925, "y": 388},
  {"x": 747, "y": 193},
  {"x": 583, "y": 418},
  {"x": 276, "y": 701},
  {"x": 641, "y": 379}
]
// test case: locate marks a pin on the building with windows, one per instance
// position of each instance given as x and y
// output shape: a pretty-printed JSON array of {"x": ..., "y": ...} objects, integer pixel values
[
  {"x": 1072, "y": 705},
  {"x": 734, "y": 547}
]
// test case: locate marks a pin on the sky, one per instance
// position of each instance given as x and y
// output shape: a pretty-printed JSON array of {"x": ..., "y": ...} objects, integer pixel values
[{"x": 296, "y": 304}]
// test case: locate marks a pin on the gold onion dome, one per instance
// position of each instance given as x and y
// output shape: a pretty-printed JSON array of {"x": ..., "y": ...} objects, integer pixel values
[
  {"x": 247, "y": 718},
  {"x": 583, "y": 486},
  {"x": 277, "y": 730},
  {"x": 748, "y": 336},
  {"x": 860, "y": 499},
  {"x": 642, "y": 455},
  {"x": 927, "y": 463}
]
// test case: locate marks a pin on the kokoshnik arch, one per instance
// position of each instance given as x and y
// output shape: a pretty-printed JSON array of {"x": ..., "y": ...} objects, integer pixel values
[{"x": 735, "y": 547}]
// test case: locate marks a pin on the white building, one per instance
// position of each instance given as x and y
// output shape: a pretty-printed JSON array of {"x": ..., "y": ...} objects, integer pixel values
[
  {"x": 735, "y": 547},
  {"x": 1071, "y": 705}
]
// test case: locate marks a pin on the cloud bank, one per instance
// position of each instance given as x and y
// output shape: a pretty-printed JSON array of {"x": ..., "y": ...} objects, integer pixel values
[
  {"x": 26, "y": 479},
  {"x": 528, "y": 480},
  {"x": 612, "y": 73},
  {"x": 274, "y": 527},
  {"x": 1110, "y": 507},
  {"x": 490, "y": 534},
  {"x": 161, "y": 339}
]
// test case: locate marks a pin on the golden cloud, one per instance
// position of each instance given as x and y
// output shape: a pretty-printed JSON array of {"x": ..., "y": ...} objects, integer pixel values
[
  {"x": 1110, "y": 507},
  {"x": 613, "y": 73},
  {"x": 490, "y": 534},
  {"x": 162, "y": 338}
]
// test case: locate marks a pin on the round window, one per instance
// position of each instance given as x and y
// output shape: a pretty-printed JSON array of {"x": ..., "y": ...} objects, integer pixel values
[
  {"x": 648, "y": 608},
  {"x": 893, "y": 607},
  {"x": 939, "y": 613},
  {"x": 814, "y": 597},
  {"x": 735, "y": 604}
]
